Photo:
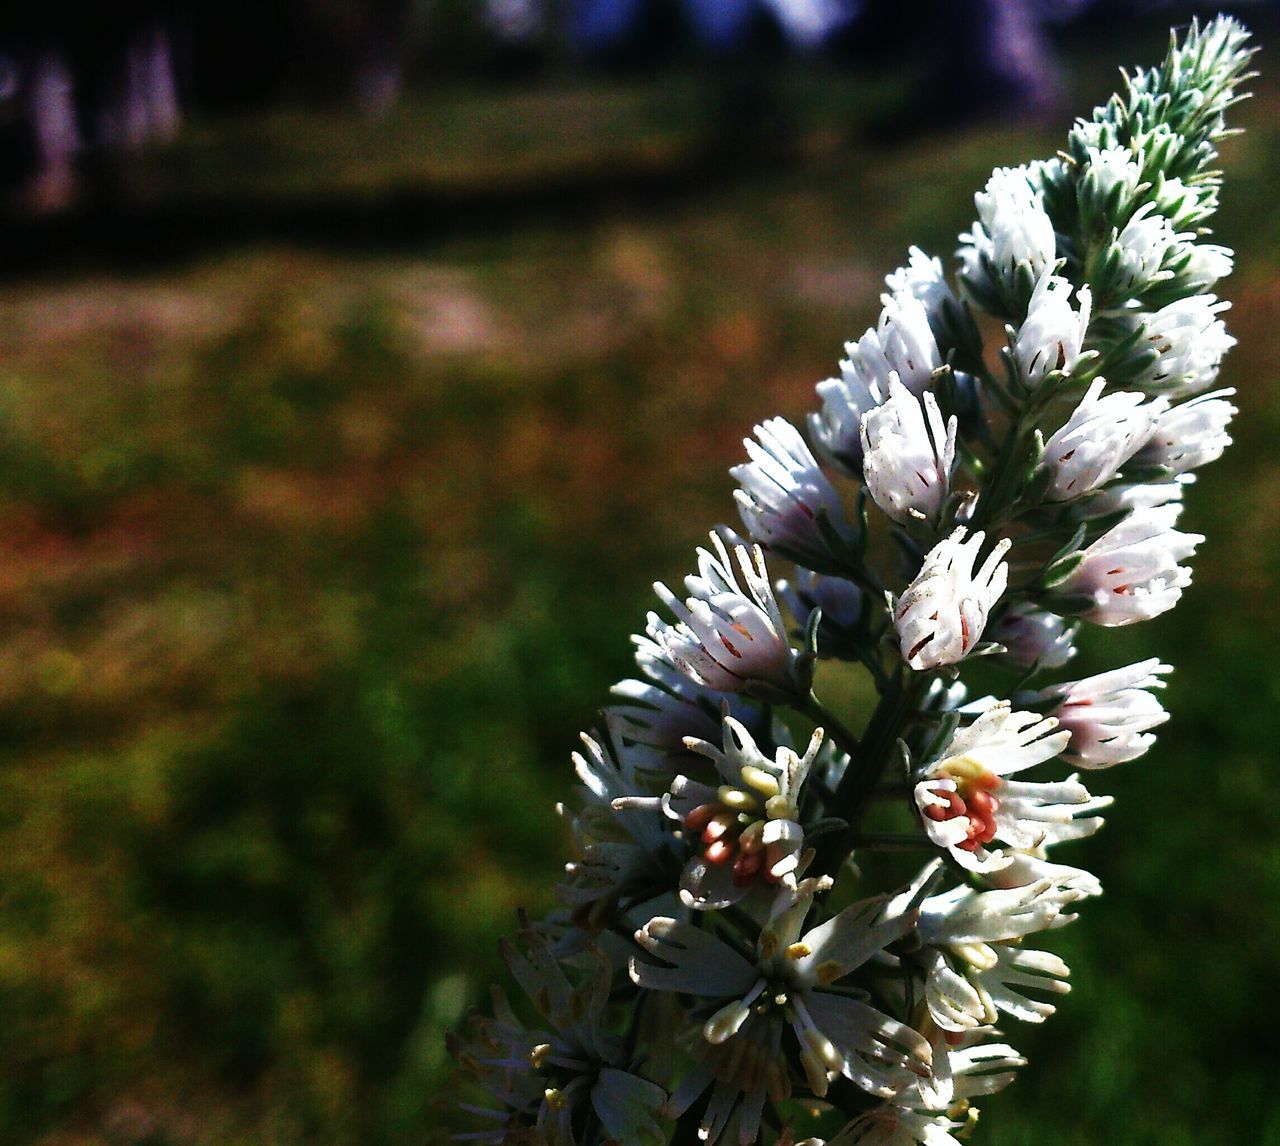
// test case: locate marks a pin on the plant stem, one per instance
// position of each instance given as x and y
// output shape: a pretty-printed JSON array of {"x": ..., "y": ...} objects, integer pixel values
[{"x": 897, "y": 704}]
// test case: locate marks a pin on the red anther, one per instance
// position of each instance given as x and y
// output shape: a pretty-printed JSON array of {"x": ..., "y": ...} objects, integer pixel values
[
  {"x": 987, "y": 781},
  {"x": 725, "y": 641},
  {"x": 964, "y": 632},
  {"x": 954, "y": 806},
  {"x": 746, "y": 868},
  {"x": 969, "y": 845},
  {"x": 953, "y": 1038},
  {"x": 719, "y": 852},
  {"x": 698, "y": 819},
  {"x": 982, "y": 803},
  {"x": 982, "y": 828}
]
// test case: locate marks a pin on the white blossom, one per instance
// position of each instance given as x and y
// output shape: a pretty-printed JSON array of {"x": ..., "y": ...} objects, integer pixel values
[
  {"x": 908, "y": 455},
  {"x": 977, "y": 967},
  {"x": 727, "y": 636},
  {"x": 923, "y": 278},
  {"x": 1134, "y": 497},
  {"x": 1191, "y": 434},
  {"x": 970, "y": 807},
  {"x": 1111, "y": 170},
  {"x": 541, "y": 1076},
  {"x": 792, "y": 980},
  {"x": 1013, "y": 227},
  {"x": 1051, "y": 338},
  {"x": 785, "y": 494},
  {"x": 1132, "y": 572},
  {"x": 1206, "y": 264},
  {"x": 1110, "y": 715},
  {"x": 942, "y": 613},
  {"x": 1100, "y": 436},
  {"x": 1033, "y": 637},
  {"x": 902, "y": 346},
  {"x": 1140, "y": 249},
  {"x": 1190, "y": 341},
  {"x": 748, "y": 826}
]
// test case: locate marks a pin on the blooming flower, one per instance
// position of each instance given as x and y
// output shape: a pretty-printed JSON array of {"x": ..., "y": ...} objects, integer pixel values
[
  {"x": 1131, "y": 573},
  {"x": 908, "y": 455},
  {"x": 1099, "y": 437},
  {"x": 749, "y": 825},
  {"x": 1140, "y": 248},
  {"x": 975, "y": 964},
  {"x": 1191, "y": 434},
  {"x": 624, "y": 851},
  {"x": 544, "y": 1079},
  {"x": 1109, "y": 715},
  {"x": 924, "y": 279},
  {"x": 967, "y": 802},
  {"x": 791, "y": 981},
  {"x": 1052, "y": 336},
  {"x": 727, "y": 637},
  {"x": 942, "y": 613},
  {"x": 902, "y": 346},
  {"x": 1013, "y": 228},
  {"x": 785, "y": 497},
  {"x": 1189, "y": 340},
  {"x": 913, "y": 1115}
]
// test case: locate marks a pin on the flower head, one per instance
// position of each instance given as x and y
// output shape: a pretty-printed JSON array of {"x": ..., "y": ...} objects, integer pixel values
[
  {"x": 969, "y": 806},
  {"x": 1131, "y": 573},
  {"x": 727, "y": 637},
  {"x": 1100, "y": 436},
  {"x": 785, "y": 497},
  {"x": 1013, "y": 229},
  {"x": 1052, "y": 336},
  {"x": 942, "y": 613},
  {"x": 1189, "y": 340},
  {"x": 900, "y": 346},
  {"x": 908, "y": 455},
  {"x": 1034, "y": 638},
  {"x": 1191, "y": 434},
  {"x": 1109, "y": 716},
  {"x": 748, "y": 826}
]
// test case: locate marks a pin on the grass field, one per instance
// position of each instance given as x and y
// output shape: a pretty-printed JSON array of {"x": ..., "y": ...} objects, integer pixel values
[{"x": 321, "y": 546}]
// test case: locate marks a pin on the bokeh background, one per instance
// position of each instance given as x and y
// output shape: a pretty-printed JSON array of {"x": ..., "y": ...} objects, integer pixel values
[{"x": 361, "y": 365}]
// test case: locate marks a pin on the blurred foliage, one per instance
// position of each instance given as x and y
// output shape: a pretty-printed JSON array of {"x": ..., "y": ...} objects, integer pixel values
[{"x": 317, "y": 557}]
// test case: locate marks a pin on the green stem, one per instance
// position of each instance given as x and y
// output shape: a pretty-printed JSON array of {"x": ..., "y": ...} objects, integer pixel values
[{"x": 897, "y": 704}]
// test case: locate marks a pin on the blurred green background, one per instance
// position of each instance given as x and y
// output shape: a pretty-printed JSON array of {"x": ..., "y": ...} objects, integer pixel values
[{"x": 325, "y": 524}]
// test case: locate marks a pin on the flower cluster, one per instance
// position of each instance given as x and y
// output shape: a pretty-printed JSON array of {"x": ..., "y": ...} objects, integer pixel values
[{"x": 720, "y": 968}]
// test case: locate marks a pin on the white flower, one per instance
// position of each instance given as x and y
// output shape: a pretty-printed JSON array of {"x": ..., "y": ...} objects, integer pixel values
[
  {"x": 941, "y": 614},
  {"x": 1122, "y": 497},
  {"x": 1190, "y": 340},
  {"x": 1111, "y": 171},
  {"x": 977, "y": 963},
  {"x": 1013, "y": 228},
  {"x": 1131, "y": 573},
  {"x": 749, "y": 825},
  {"x": 1110, "y": 715},
  {"x": 1140, "y": 248},
  {"x": 1192, "y": 434},
  {"x": 785, "y": 494},
  {"x": 900, "y": 346},
  {"x": 624, "y": 848},
  {"x": 726, "y": 637},
  {"x": 1206, "y": 264},
  {"x": 925, "y": 1113},
  {"x": 908, "y": 455},
  {"x": 966, "y": 801},
  {"x": 1099, "y": 437},
  {"x": 788, "y": 982},
  {"x": 1034, "y": 638},
  {"x": 923, "y": 278},
  {"x": 542, "y": 1077},
  {"x": 1052, "y": 336}
]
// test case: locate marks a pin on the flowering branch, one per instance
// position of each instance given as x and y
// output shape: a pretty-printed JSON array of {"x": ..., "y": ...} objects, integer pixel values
[{"x": 704, "y": 980}]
